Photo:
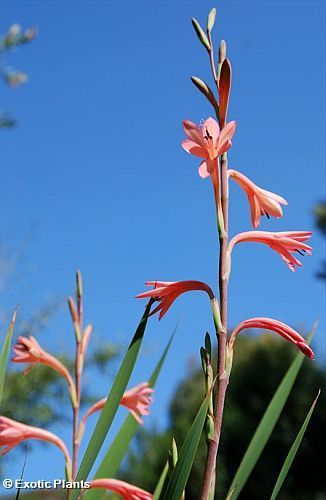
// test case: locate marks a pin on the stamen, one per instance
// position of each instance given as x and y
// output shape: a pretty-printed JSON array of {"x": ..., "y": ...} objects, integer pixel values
[{"x": 300, "y": 252}]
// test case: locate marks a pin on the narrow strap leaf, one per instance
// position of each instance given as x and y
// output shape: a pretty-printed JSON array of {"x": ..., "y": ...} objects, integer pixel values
[
  {"x": 161, "y": 481},
  {"x": 112, "y": 404},
  {"x": 5, "y": 353},
  {"x": 180, "y": 474},
  {"x": 119, "y": 447},
  {"x": 266, "y": 426},
  {"x": 292, "y": 453}
]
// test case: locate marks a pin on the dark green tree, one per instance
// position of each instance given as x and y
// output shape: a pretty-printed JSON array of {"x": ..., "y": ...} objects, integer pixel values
[
  {"x": 259, "y": 366},
  {"x": 320, "y": 214}
]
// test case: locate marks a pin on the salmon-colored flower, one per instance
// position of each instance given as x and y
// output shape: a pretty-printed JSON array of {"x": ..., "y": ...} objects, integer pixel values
[
  {"x": 276, "y": 326},
  {"x": 27, "y": 350},
  {"x": 261, "y": 202},
  {"x": 208, "y": 141},
  {"x": 165, "y": 292},
  {"x": 284, "y": 243},
  {"x": 126, "y": 490},
  {"x": 137, "y": 400},
  {"x": 13, "y": 433}
]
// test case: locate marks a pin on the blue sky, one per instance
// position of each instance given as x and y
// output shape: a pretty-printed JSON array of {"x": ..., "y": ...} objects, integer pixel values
[{"x": 94, "y": 176}]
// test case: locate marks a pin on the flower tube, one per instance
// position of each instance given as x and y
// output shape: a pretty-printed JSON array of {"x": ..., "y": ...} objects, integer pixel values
[
  {"x": 12, "y": 433},
  {"x": 126, "y": 490},
  {"x": 278, "y": 327},
  {"x": 165, "y": 292},
  {"x": 285, "y": 243},
  {"x": 27, "y": 350},
  {"x": 261, "y": 202}
]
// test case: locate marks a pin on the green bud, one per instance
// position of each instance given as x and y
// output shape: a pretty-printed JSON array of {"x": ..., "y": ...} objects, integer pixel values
[
  {"x": 208, "y": 344},
  {"x": 200, "y": 33},
  {"x": 204, "y": 89},
  {"x": 173, "y": 454},
  {"x": 209, "y": 428},
  {"x": 211, "y": 19},
  {"x": 203, "y": 359}
]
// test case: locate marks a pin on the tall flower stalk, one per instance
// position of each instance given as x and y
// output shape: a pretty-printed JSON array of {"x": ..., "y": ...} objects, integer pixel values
[{"x": 211, "y": 141}]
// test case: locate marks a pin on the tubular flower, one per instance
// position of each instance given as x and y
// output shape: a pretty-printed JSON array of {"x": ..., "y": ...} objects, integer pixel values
[
  {"x": 27, "y": 350},
  {"x": 126, "y": 490},
  {"x": 165, "y": 292},
  {"x": 13, "y": 433},
  {"x": 261, "y": 202},
  {"x": 208, "y": 142},
  {"x": 284, "y": 243},
  {"x": 276, "y": 326},
  {"x": 137, "y": 400}
]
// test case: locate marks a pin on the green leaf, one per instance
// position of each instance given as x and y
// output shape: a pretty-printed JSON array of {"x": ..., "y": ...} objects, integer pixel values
[
  {"x": 5, "y": 353},
  {"x": 266, "y": 426},
  {"x": 161, "y": 481},
  {"x": 292, "y": 453},
  {"x": 180, "y": 474},
  {"x": 112, "y": 404},
  {"x": 169, "y": 466},
  {"x": 119, "y": 447},
  {"x": 201, "y": 35}
]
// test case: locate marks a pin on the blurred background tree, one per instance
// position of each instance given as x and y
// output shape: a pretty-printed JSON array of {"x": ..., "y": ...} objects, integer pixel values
[
  {"x": 320, "y": 213},
  {"x": 14, "y": 38},
  {"x": 259, "y": 365}
]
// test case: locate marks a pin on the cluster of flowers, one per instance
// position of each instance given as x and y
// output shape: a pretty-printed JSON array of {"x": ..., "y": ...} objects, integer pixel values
[
  {"x": 209, "y": 141},
  {"x": 137, "y": 400}
]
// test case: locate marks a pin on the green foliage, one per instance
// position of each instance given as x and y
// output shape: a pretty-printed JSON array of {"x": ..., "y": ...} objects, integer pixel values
[
  {"x": 259, "y": 365},
  {"x": 4, "y": 355},
  {"x": 112, "y": 402},
  {"x": 119, "y": 447},
  {"x": 293, "y": 451},
  {"x": 265, "y": 427}
]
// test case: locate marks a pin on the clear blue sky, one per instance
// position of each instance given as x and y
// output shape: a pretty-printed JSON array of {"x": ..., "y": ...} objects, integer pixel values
[{"x": 95, "y": 173}]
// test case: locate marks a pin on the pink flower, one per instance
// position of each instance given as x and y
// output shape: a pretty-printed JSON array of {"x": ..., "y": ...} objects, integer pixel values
[
  {"x": 165, "y": 292},
  {"x": 126, "y": 490},
  {"x": 261, "y": 202},
  {"x": 27, "y": 350},
  {"x": 284, "y": 243},
  {"x": 13, "y": 433},
  {"x": 276, "y": 326},
  {"x": 208, "y": 141},
  {"x": 137, "y": 400}
]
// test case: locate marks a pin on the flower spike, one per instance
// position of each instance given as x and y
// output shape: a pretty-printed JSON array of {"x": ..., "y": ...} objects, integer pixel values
[
  {"x": 208, "y": 142},
  {"x": 285, "y": 243},
  {"x": 165, "y": 292},
  {"x": 276, "y": 326},
  {"x": 261, "y": 202}
]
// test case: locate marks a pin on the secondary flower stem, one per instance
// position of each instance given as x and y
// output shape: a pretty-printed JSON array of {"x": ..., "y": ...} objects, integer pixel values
[{"x": 78, "y": 373}]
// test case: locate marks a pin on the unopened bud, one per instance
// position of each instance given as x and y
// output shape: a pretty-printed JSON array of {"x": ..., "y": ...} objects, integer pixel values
[
  {"x": 209, "y": 428},
  {"x": 211, "y": 19},
  {"x": 201, "y": 35},
  {"x": 205, "y": 89},
  {"x": 222, "y": 51}
]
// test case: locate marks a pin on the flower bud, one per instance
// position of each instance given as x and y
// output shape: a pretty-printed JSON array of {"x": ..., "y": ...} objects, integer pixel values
[
  {"x": 201, "y": 35},
  {"x": 211, "y": 19}
]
